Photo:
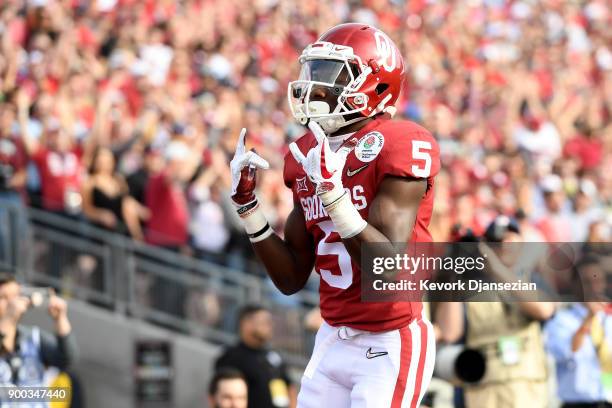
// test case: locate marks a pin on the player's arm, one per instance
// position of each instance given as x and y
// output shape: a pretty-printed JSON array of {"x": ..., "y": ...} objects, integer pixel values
[
  {"x": 288, "y": 261},
  {"x": 392, "y": 215}
]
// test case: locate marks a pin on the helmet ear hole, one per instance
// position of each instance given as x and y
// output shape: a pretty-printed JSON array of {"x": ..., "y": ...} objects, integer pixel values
[{"x": 380, "y": 88}]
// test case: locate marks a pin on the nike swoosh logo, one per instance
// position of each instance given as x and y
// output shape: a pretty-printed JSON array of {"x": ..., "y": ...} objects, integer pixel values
[
  {"x": 370, "y": 354},
  {"x": 351, "y": 173}
]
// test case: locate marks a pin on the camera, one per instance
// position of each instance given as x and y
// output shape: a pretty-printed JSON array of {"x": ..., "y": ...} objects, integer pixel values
[
  {"x": 38, "y": 296},
  {"x": 459, "y": 364}
]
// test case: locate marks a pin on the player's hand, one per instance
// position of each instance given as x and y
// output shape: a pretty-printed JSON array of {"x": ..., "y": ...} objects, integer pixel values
[
  {"x": 324, "y": 168},
  {"x": 322, "y": 165},
  {"x": 244, "y": 166}
]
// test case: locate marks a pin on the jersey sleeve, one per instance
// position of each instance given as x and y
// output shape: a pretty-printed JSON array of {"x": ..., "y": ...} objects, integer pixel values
[
  {"x": 287, "y": 170},
  {"x": 409, "y": 153},
  {"x": 291, "y": 167}
]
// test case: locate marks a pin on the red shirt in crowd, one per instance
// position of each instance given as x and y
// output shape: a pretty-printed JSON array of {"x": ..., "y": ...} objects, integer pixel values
[
  {"x": 169, "y": 212},
  {"x": 588, "y": 150},
  {"x": 59, "y": 174}
]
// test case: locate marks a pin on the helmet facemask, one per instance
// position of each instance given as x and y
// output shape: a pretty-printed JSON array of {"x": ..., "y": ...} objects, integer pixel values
[{"x": 340, "y": 76}]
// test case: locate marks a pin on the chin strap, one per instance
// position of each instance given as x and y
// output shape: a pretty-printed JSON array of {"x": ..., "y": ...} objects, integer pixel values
[{"x": 333, "y": 124}]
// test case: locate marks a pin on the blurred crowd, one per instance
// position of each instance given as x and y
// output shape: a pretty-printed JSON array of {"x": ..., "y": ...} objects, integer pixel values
[{"x": 126, "y": 112}]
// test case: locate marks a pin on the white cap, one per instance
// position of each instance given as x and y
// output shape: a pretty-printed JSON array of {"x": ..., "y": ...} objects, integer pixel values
[
  {"x": 38, "y": 3},
  {"x": 176, "y": 151},
  {"x": 588, "y": 188},
  {"x": 106, "y": 5},
  {"x": 551, "y": 183}
]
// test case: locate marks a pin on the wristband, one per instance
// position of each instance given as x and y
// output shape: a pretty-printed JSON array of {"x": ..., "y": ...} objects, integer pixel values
[
  {"x": 254, "y": 221},
  {"x": 262, "y": 234},
  {"x": 345, "y": 217}
]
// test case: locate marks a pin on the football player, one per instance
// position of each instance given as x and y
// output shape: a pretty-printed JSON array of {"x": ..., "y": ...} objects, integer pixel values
[{"x": 357, "y": 177}]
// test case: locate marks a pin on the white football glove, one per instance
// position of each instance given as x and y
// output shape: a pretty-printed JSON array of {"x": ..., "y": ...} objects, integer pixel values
[
  {"x": 322, "y": 165},
  {"x": 244, "y": 167},
  {"x": 324, "y": 168}
]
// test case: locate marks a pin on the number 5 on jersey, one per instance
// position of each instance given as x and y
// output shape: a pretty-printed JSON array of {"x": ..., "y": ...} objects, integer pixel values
[
  {"x": 420, "y": 151},
  {"x": 345, "y": 278}
]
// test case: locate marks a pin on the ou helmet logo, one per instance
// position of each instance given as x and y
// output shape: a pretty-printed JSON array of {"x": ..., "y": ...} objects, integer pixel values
[{"x": 386, "y": 51}]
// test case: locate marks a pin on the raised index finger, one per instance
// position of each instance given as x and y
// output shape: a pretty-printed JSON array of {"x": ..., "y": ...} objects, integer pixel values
[{"x": 240, "y": 144}]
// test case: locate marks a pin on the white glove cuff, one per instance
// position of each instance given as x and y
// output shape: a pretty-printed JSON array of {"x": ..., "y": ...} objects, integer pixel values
[
  {"x": 329, "y": 197},
  {"x": 254, "y": 221},
  {"x": 345, "y": 217}
]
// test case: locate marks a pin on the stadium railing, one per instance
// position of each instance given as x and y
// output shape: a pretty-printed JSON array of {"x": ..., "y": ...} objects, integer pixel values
[{"x": 170, "y": 289}]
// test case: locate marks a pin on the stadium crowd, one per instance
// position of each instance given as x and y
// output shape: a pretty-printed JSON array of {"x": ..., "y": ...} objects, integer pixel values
[
  {"x": 126, "y": 112},
  {"x": 108, "y": 106}
]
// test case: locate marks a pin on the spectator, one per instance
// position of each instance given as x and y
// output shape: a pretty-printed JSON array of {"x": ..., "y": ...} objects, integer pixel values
[
  {"x": 227, "y": 389},
  {"x": 585, "y": 146},
  {"x": 26, "y": 351},
  {"x": 13, "y": 162},
  {"x": 57, "y": 159},
  {"x": 13, "y": 158},
  {"x": 105, "y": 197},
  {"x": 265, "y": 372},
  {"x": 138, "y": 180},
  {"x": 507, "y": 333},
  {"x": 503, "y": 84},
  {"x": 166, "y": 199},
  {"x": 579, "y": 339},
  {"x": 208, "y": 226},
  {"x": 168, "y": 223},
  {"x": 523, "y": 78},
  {"x": 538, "y": 137},
  {"x": 586, "y": 212},
  {"x": 555, "y": 223}
]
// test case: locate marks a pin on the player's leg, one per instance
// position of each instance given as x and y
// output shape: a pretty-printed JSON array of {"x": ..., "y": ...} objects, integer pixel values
[
  {"x": 425, "y": 367},
  {"x": 320, "y": 391},
  {"x": 319, "y": 386},
  {"x": 399, "y": 379},
  {"x": 376, "y": 372}
]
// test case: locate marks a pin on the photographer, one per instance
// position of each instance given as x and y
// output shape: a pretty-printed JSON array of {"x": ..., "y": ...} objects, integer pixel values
[
  {"x": 507, "y": 334},
  {"x": 26, "y": 352}
]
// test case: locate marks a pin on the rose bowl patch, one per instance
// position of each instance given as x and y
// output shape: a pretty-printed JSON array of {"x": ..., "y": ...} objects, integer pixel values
[{"x": 369, "y": 146}]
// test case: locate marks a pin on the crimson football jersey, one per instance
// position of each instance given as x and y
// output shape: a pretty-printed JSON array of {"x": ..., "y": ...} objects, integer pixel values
[{"x": 384, "y": 148}]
